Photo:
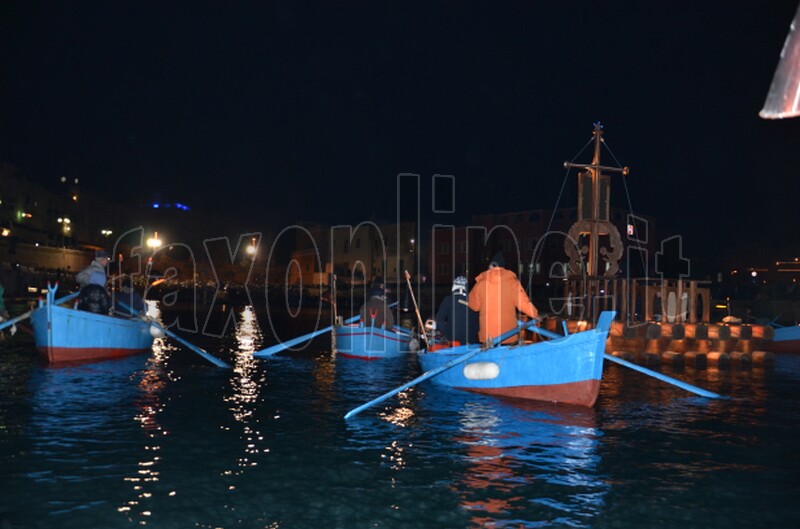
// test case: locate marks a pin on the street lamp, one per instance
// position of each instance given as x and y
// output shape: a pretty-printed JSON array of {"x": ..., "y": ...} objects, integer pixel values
[
  {"x": 251, "y": 248},
  {"x": 154, "y": 242},
  {"x": 65, "y": 228}
]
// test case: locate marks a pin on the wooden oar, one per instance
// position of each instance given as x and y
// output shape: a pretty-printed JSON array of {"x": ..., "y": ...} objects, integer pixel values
[
  {"x": 433, "y": 372},
  {"x": 24, "y": 315},
  {"x": 213, "y": 359},
  {"x": 416, "y": 309},
  {"x": 277, "y": 348},
  {"x": 655, "y": 374}
]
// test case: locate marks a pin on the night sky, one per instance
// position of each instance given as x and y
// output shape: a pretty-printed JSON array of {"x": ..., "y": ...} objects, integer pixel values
[{"x": 310, "y": 110}]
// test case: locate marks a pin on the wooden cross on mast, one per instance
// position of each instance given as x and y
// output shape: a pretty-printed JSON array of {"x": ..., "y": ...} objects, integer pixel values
[{"x": 594, "y": 196}]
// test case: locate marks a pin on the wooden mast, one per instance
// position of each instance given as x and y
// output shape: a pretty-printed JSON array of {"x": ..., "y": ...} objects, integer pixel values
[{"x": 598, "y": 214}]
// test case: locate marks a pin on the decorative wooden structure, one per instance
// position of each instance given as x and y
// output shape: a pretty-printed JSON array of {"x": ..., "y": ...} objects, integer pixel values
[
  {"x": 639, "y": 299},
  {"x": 594, "y": 247},
  {"x": 583, "y": 245},
  {"x": 659, "y": 320}
]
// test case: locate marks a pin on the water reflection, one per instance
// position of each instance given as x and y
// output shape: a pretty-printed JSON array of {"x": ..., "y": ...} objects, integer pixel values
[
  {"x": 323, "y": 374},
  {"x": 529, "y": 464},
  {"x": 366, "y": 380},
  {"x": 163, "y": 347},
  {"x": 154, "y": 378},
  {"x": 246, "y": 384},
  {"x": 179, "y": 451}
]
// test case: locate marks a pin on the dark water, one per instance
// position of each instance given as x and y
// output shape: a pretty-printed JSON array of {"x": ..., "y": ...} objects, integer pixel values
[{"x": 169, "y": 441}]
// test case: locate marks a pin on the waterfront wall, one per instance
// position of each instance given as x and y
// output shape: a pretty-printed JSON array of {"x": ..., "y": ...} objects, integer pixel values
[
  {"x": 693, "y": 345},
  {"x": 24, "y": 266}
]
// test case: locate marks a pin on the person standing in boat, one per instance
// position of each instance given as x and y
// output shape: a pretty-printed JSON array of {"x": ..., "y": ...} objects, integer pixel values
[
  {"x": 454, "y": 319},
  {"x": 95, "y": 273},
  {"x": 496, "y": 295},
  {"x": 94, "y": 297},
  {"x": 375, "y": 312}
]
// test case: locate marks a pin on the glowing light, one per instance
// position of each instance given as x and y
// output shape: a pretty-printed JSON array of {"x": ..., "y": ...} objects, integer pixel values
[
  {"x": 154, "y": 242},
  {"x": 65, "y": 222}
]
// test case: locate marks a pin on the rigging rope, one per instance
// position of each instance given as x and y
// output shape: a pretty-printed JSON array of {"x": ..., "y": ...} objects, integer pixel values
[
  {"x": 624, "y": 181},
  {"x": 627, "y": 195},
  {"x": 564, "y": 183}
]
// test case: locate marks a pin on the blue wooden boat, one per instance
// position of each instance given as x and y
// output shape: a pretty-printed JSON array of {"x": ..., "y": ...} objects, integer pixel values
[
  {"x": 372, "y": 343},
  {"x": 568, "y": 369},
  {"x": 785, "y": 340},
  {"x": 64, "y": 334}
]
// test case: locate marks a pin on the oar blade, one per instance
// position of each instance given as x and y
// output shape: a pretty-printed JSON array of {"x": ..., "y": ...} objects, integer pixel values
[
  {"x": 17, "y": 319},
  {"x": 213, "y": 359},
  {"x": 277, "y": 348},
  {"x": 424, "y": 376},
  {"x": 202, "y": 352},
  {"x": 660, "y": 376}
]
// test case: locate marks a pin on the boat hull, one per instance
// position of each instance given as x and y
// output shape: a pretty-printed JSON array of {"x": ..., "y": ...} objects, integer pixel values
[
  {"x": 785, "y": 340},
  {"x": 568, "y": 370},
  {"x": 67, "y": 335},
  {"x": 371, "y": 343}
]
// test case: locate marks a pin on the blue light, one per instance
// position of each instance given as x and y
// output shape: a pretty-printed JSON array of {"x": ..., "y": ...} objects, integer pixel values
[{"x": 178, "y": 205}]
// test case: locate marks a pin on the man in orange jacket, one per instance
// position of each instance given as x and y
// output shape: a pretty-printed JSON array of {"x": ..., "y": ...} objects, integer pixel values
[{"x": 496, "y": 294}]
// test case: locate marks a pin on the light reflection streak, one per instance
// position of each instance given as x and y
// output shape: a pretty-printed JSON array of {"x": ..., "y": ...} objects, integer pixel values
[
  {"x": 161, "y": 347},
  {"x": 395, "y": 455},
  {"x": 154, "y": 378},
  {"x": 246, "y": 384},
  {"x": 324, "y": 373},
  {"x": 403, "y": 413},
  {"x": 522, "y": 453},
  {"x": 365, "y": 380}
]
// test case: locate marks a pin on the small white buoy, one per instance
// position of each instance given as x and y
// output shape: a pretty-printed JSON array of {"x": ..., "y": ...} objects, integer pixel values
[
  {"x": 156, "y": 332},
  {"x": 481, "y": 371}
]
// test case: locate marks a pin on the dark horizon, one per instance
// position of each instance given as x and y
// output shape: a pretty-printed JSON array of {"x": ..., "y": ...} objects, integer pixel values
[{"x": 309, "y": 111}]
